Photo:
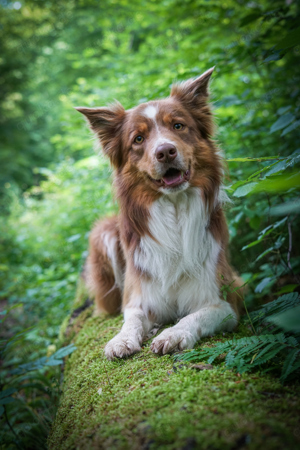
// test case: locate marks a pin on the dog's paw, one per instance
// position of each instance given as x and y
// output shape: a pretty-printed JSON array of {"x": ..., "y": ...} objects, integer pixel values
[
  {"x": 122, "y": 345},
  {"x": 171, "y": 340}
]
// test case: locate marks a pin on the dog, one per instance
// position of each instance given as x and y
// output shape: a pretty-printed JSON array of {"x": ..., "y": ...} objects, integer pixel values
[{"x": 163, "y": 259}]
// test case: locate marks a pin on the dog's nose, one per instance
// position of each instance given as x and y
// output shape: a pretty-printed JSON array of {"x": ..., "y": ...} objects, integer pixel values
[{"x": 165, "y": 153}]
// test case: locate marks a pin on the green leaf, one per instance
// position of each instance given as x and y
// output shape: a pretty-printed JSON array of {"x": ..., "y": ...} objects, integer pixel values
[
  {"x": 56, "y": 358},
  {"x": 275, "y": 56},
  {"x": 282, "y": 122},
  {"x": 283, "y": 303},
  {"x": 290, "y": 40},
  {"x": 1, "y": 410},
  {"x": 272, "y": 227},
  {"x": 278, "y": 167},
  {"x": 287, "y": 288},
  {"x": 280, "y": 183},
  {"x": 7, "y": 400},
  {"x": 242, "y": 191},
  {"x": 250, "y": 159},
  {"x": 264, "y": 253},
  {"x": 263, "y": 169},
  {"x": 291, "y": 207},
  {"x": 264, "y": 283},
  {"x": 64, "y": 351},
  {"x": 265, "y": 350},
  {"x": 292, "y": 127},
  {"x": 252, "y": 244},
  {"x": 269, "y": 352},
  {"x": 74, "y": 238},
  {"x": 288, "y": 320},
  {"x": 288, "y": 365},
  {"x": 7, "y": 392},
  {"x": 250, "y": 18},
  {"x": 54, "y": 362},
  {"x": 283, "y": 110}
]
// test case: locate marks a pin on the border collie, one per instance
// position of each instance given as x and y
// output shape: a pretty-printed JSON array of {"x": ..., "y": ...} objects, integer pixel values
[{"x": 163, "y": 258}]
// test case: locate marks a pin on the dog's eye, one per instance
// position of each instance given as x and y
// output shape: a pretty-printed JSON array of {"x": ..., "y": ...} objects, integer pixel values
[
  {"x": 178, "y": 126},
  {"x": 139, "y": 139}
]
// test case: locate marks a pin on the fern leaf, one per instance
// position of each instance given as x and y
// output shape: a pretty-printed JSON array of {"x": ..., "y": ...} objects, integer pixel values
[
  {"x": 283, "y": 303},
  {"x": 269, "y": 356},
  {"x": 292, "y": 341},
  {"x": 252, "y": 347},
  {"x": 246, "y": 353},
  {"x": 288, "y": 365},
  {"x": 230, "y": 359},
  {"x": 266, "y": 349},
  {"x": 281, "y": 338}
]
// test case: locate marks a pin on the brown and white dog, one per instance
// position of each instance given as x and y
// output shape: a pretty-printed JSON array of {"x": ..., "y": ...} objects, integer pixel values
[{"x": 163, "y": 259}]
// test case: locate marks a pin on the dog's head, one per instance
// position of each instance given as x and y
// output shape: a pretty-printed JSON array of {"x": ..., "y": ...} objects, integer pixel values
[{"x": 163, "y": 145}]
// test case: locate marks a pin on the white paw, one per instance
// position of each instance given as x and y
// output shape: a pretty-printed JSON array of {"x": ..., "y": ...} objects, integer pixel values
[
  {"x": 171, "y": 340},
  {"x": 122, "y": 345}
]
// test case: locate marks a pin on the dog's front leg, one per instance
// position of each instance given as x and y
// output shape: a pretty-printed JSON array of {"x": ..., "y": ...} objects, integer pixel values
[
  {"x": 204, "y": 322},
  {"x": 131, "y": 336}
]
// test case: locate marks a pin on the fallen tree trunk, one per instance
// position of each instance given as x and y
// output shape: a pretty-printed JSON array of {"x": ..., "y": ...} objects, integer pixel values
[{"x": 150, "y": 402}]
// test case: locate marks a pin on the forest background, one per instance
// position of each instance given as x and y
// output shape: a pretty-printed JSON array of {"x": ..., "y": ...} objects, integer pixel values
[{"x": 58, "y": 55}]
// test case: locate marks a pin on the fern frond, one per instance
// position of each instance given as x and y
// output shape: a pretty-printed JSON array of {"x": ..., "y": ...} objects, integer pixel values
[
  {"x": 247, "y": 353},
  {"x": 279, "y": 305},
  {"x": 290, "y": 364},
  {"x": 269, "y": 355},
  {"x": 292, "y": 341},
  {"x": 279, "y": 349}
]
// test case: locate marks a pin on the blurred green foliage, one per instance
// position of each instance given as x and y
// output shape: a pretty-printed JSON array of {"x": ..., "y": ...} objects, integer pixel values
[{"x": 57, "y": 55}]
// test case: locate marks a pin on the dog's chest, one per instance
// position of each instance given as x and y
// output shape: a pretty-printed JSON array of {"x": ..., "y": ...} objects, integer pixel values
[{"x": 183, "y": 254}]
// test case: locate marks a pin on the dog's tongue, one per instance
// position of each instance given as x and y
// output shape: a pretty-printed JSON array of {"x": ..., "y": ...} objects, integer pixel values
[{"x": 172, "y": 176}]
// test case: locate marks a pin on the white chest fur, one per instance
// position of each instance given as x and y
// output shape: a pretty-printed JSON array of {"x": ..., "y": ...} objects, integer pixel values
[{"x": 182, "y": 261}]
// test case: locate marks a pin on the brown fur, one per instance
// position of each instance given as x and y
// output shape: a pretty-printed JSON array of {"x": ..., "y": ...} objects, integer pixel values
[{"x": 99, "y": 276}]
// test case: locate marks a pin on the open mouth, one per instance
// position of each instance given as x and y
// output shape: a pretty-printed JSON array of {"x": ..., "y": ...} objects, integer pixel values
[{"x": 173, "y": 178}]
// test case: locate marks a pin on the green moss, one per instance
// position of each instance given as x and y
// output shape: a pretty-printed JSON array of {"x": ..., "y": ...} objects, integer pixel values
[
  {"x": 82, "y": 309},
  {"x": 147, "y": 401},
  {"x": 81, "y": 293}
]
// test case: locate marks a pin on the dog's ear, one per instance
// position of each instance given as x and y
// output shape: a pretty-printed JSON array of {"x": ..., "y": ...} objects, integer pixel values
[
  {"x": 193, "y": 93},
  {"x": 194, "y": 89},
  {"x": 107, "y": 123}
]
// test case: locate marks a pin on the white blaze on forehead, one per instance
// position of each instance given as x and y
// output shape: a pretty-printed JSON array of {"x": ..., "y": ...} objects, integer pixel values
[{"x": 150, "y": 111}]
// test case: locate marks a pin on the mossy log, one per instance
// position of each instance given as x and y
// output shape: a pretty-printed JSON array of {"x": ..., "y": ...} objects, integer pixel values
[{"x": 150, "y": 402}]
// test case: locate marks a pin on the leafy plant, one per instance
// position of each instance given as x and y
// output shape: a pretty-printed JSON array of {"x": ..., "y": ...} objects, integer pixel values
[
  {"x": 272, "y": 309},
  {"x": 29, "y": 391},
  {"x": 267, "y": 351}
]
